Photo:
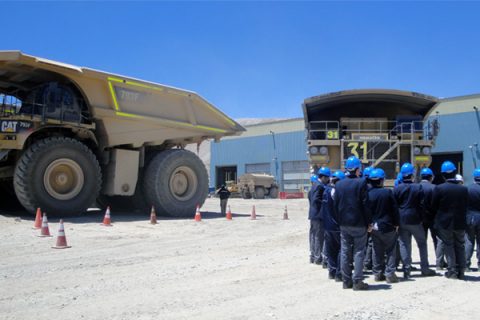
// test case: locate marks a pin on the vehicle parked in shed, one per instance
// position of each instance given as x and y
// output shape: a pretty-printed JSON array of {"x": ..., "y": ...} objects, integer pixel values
[
  {"x": 257, "y": 186},
  {"x": 383, "y": 128},
  {"x": 71, "y": 135}
]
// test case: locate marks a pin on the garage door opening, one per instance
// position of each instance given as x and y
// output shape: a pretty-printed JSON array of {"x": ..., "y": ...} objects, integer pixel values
[
  {"x": 225, "y": 174},
  {"x": 439, "y": 158}
]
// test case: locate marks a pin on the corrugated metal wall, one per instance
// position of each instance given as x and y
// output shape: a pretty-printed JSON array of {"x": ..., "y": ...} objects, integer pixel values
[{"x": 290, "y": 146}]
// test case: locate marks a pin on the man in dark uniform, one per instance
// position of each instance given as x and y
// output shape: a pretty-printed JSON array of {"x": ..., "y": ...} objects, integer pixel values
[
  {"x": 473, "y": 220},
  {"x": 426, "y": 174},
  {"x": 450, "y": 201},
  {"x": 224, "y": 194},
  {"x": 410, "y": 197},
  {"x": 368, "y": 260},
  {"x": 349, "y": 204},
  {"x": 315, "y": 197},
  {"x": 385, "y": 220},
  {"x": 332, "y": 230}
]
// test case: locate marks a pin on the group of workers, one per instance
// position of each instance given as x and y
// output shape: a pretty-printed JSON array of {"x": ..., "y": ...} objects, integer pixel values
[{"x": 356, "y": 221}]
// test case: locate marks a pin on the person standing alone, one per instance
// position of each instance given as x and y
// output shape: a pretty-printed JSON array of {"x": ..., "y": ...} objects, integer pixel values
[{"x": 224, "y": 194}]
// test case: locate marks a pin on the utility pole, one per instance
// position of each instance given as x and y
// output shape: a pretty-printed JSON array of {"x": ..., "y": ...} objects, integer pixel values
[{"x": 275, "y": 160}]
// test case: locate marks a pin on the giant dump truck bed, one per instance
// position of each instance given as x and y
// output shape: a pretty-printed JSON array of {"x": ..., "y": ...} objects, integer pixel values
[{"x": 125, "y": 111}]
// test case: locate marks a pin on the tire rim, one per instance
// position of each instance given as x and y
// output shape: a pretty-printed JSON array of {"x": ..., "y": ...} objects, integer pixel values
[
  {"x": 63, "y": 179},
  {"x": 183, "y": 183}
]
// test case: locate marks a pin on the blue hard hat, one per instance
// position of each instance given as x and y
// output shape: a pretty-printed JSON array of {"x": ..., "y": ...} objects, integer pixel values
[
  {"x": 314, "y": 178},
  {"x": 367, "y": 171},
  {"x": 324, "y": 171},
  {"x": 407, "y": 169},
  {"x": 448, "y": 167},
  {"x": 476, "y": 173},
  {"x": 339, "y": 175},
  {"x": 352, "y": 163},
  {"x": 377, "y": 174},
  {"x": 426, "y": 172}
]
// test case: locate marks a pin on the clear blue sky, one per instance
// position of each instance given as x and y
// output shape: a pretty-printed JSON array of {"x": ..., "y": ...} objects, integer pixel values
[{"x": 260, "y": 59}]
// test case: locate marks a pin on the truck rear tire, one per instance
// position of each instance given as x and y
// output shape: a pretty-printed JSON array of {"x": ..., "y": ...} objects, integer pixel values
[
  {"x": 175, "y": 182},
  {"x": 259, "y": 193},
  {"x": 273, "y": 192},
  {"x": 59, "y": 175}
]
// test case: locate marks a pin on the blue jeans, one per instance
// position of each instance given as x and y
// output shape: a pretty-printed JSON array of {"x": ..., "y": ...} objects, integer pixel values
[
  {"x": 384, "y": 244},
  {"x": 406, "y": 232},
  {"x": 353, "y": 242},
  {"x": 332, "y": 252},
  {"x": 316, "y": 240},
  {"x": 454, "y": 242}
]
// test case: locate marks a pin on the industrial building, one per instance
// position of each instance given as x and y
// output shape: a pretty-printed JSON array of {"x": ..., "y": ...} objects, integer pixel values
[{"x": 279, "y": 147}]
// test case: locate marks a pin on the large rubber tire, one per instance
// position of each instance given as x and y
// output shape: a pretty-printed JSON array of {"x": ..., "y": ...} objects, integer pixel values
[
  {"x": 259, "y": 193},
  {"x": 273, "y": 192},
  {"x": 175, "y": 182},
  {"x": 59, "y": 175},
  {"x": 246, "y": 195}
]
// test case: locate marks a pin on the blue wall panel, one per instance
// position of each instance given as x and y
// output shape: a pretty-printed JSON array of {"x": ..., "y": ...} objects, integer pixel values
[
  {"x": 290, "y": 146},
  {"x": 457, "y": 132}
]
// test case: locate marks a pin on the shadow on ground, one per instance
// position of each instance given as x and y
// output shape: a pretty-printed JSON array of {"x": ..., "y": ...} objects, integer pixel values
[{"x": 96, "y": 216}]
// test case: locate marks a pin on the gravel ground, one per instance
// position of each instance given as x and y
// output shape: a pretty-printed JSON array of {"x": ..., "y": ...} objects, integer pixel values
[{"x": 214, "y": 269}]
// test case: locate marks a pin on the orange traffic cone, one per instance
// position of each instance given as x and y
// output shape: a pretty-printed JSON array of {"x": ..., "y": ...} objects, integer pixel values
[
  {"x": 285, "y": 214},
  {"x": 198, "y": 216},
  {"x": 153, "y": 216},
  {"x": 106, "y": 220},
  {"x": 254, "y": 214},
  {"x": 61, "y": 239},
  {"x": 229, "y": 214},
  {"x": 45, "y": 232},
  {"x": 38, "y": 220}
]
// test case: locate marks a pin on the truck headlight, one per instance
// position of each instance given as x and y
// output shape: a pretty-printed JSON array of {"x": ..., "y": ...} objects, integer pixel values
[
  {"x": 416, "y": 151},
  {"x": 426, "y": 151},
  {"x": 313, "y": 150},
  {"x": 323, "y": 151}
]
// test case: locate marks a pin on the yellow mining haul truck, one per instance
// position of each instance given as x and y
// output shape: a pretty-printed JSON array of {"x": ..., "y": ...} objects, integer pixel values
[
  {"x": 384, "y": 128},
  {"x": 71, "y": 135}
]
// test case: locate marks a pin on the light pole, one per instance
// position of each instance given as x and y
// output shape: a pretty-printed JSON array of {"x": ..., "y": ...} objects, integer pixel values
[{"x": 275, "y": 160}]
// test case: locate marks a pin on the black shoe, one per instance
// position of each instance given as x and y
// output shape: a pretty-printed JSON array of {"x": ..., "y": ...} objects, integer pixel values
[
  {"x": 331, "y": 275},
  {"x": 406, "y": 275},
  {"x": 392, "y": 279},
  {"x": 379, "y": 277},
  {"x": 429, "y": 273},
  {"x": 461, "y": 276},
  {"x": 360, "y": 285},
  {"x": 318, "y": 262},
  {"x": 412, "y": 268},
  {"x": 312, "y": 260},
  {"x": 338, "y": 278},
  {"x": 443, "y": 264},
  {"x": 347, "y": 285},
  {"x": 324, "y": 265},
  {"x": 451, "y": 275}
]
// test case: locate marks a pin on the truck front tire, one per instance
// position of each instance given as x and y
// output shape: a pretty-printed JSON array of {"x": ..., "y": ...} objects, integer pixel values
[
  {"x": 175, "y": 182},
  {"x": 59, "y": 175}
]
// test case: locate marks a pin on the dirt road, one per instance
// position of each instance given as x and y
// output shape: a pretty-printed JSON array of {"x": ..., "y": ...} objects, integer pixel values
[{"x": 215, "y": 269}]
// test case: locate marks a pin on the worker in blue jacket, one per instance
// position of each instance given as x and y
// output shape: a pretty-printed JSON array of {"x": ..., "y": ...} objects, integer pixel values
[
  {"x": 332, "y": 230},
  {"x": 349, "y": 203},
  {"x": 426, "y": 175},
  {"x": 368, "y": 260},
  {"x": 410, "y": 200},
  {"x": 315, "y": 197},
  {"x": 473, "y": 220},
  {"x": 450, "y": 200},
  {"x": 385, "y": 222}
]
